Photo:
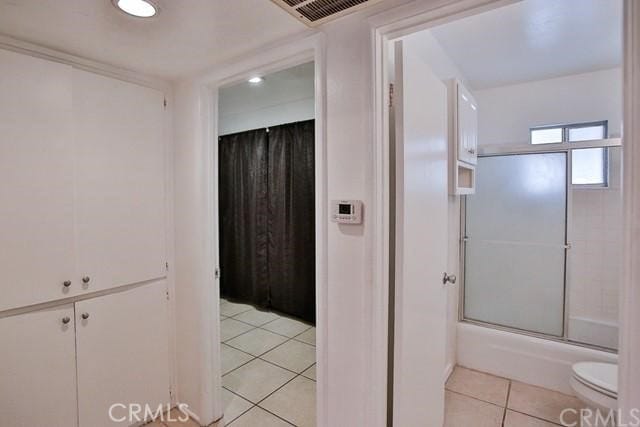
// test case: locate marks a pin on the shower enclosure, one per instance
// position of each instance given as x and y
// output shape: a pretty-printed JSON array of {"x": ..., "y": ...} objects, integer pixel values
[{"x": 541, "y": 249}]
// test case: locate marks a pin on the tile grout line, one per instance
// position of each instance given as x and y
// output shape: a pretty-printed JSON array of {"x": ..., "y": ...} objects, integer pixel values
[
  {"x": 474, "y": 398},
  {"x": 506, "y": 404}
]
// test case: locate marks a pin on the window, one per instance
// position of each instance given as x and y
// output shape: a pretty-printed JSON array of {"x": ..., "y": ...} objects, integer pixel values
[{"x": 589, "y": 165}]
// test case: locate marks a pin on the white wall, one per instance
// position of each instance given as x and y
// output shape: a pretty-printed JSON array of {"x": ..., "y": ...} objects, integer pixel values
[
  {"x": 506, "y": 113},
  {"x": 283, "y": 97}
]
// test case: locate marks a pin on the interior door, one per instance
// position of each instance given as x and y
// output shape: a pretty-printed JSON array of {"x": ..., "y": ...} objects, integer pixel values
[
  {"x": 421, "y": 241},
  {"x": 36, "y": 181},
  {"x": 123, "y": 353},
  {"x": 38, "y": 369},
  {"x": 120, "y": 181}
]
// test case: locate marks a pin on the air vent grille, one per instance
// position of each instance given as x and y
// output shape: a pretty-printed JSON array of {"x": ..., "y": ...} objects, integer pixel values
[
  {"x": 316, "y": 12},
  {"x": 320, "y": 9}
]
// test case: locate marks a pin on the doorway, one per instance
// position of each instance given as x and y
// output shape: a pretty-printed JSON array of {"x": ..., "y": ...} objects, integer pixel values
[{"x": 267, "y": 247}]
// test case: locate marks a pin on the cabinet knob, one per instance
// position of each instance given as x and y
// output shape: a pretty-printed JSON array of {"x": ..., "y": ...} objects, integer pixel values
[
  {"x": 86, "y": 279},
  {"x": 84, "y": 316},
  {"x": 66, "y": 320},
  {"x": 472, "y": 151},
  {"x": 449, "y": 278},
  {"x": 66, "y": 283}
]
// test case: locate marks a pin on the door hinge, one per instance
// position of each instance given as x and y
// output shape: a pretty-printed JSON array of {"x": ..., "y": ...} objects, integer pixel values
[
  {"x": 166, "y": 265},
  {"x": 165, "y": 103},
  {"x": 390, "y": 95},
  {"x": 167, "y": 295},
  {"x": 216, "y": 273}
]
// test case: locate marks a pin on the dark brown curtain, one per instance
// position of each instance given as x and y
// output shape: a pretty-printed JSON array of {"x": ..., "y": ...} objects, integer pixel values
[
  {"x": 292, "y": 219},
  {"x": 267, "y": 218},
  {"x": 243, "y": 205}
]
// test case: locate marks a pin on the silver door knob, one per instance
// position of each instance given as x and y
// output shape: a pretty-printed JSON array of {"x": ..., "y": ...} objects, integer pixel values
[
  {"x": 66, "y": 320},
  {"x": 84, "y": 316},
  {"x": 449, "y": 278},
  {"x": 86, "y": 279},
  {"x": 66, "y": 283}
]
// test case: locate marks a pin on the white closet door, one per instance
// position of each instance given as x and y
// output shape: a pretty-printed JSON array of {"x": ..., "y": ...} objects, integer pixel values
[
  {"x": 421, "y": 241},
  {"x": 123, "y": 353},
  {"x": 36, "y": 180},
  {"x": 38, "y": 369},
  {"x": 120, "y": 190}
]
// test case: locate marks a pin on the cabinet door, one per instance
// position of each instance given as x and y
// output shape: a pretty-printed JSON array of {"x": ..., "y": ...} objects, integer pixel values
[
  {"x": 120, "y": 196},
  {"x": 38, "y": 369},
  {"x": 467, "y": 126},
  {"x": 123, "y": 355},
  {"x": 36, "y": 180}
]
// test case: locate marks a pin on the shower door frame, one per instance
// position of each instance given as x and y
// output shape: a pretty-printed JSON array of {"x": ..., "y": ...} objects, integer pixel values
[{"x": 510, "y": 150}]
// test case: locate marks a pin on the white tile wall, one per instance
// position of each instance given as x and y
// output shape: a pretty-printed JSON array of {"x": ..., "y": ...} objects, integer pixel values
[{"x": 594, "y": 262}]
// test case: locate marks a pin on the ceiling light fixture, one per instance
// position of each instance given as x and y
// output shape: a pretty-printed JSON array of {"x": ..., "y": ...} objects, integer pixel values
[
  {"x": 137, "y": 8},
  {"x": 256, "y": 79}
]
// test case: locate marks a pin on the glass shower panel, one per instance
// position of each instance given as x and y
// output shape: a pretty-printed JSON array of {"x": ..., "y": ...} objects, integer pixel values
[{"x": 515, "y": 242}]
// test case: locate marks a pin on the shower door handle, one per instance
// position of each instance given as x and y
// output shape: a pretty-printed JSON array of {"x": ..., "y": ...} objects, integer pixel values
[{"x": 449, "y": 278}]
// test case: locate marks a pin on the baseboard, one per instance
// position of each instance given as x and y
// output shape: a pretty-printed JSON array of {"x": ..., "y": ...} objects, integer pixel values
[{"x": 448, "y": 370}]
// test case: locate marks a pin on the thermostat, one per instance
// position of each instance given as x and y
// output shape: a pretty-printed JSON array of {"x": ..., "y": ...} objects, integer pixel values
[{"x": 346, "y": 211}]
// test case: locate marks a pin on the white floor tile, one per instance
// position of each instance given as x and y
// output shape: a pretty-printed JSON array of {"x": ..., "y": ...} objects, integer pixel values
[
  {"x": 308, "y": 336},
  {"x": 233, "y": 405},
  {"x": 258, "y": 417},
  {"x": 231, "y": 309},
  {"x": 287, "y": 327},
  {"x": 295, "y": 402},
  {"x": 256, "y": 342},
  {"x": 310, "y": 373},
  {"x": 256, "y": 380},
  {"x": 230, "y": 328},
  {"x": 293, "y": 355},
  {"x": 232, "y": 358},
  {"x": 256, "y": 317}
]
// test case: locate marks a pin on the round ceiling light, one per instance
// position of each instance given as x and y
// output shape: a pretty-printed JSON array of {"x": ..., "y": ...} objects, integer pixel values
[
  {"x": 256, "y": 80},
  {"x": 137, "y": 8}
]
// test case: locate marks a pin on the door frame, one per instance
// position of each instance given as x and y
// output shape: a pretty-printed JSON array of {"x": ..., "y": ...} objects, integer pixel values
[
  {"x": 415, "y": 17},
  {"x": 272, "y": 59}
]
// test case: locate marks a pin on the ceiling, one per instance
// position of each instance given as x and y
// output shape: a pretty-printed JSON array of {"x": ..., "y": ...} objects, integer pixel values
[
  {"x": 186, "y": 37},
  {"x": 534, "y": 40}
]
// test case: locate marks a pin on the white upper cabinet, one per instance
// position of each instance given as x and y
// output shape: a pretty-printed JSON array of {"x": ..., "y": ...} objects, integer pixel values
[
  {"x": 120, "y": 181},
  {"x": 36, "y": 181},
  {"x": 38, "y": 369},
  {"x": 467, "y": 126}
]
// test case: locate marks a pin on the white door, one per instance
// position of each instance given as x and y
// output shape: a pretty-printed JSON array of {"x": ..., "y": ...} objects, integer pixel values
[
  {"x": 421, "y": 241},
  {"x": 123, "y": 354},
  {"x": 36, "y": 181},
  {"x": 120, "y": 181},
  {"x": 38, "y": 369}
]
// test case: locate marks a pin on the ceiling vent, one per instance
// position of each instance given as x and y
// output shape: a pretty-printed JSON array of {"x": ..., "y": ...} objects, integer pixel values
[{"x": 317, "y": 12}]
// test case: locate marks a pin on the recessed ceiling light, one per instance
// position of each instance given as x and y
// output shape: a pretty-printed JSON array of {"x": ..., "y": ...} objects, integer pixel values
[
  {"x": 137, "y": 8},
  {"x": 256, "y": 79}
]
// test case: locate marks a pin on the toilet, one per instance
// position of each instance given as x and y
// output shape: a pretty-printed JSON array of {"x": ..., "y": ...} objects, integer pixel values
[{"x": 596, "y": 383}]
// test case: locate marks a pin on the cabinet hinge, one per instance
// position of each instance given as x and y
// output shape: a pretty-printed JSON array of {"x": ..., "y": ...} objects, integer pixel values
[
  {"x": 167, "y": 295},
  {"x": 390, "y": 95}
]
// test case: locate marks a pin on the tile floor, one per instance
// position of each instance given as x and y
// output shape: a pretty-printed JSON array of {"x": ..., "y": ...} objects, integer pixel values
[
  {"x": 478, "y": 399},
  {"x": 268, "y": 368}
]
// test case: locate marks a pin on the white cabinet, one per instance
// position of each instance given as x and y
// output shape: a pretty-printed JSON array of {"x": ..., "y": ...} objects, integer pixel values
[
  {"x": 120, "y": 183},
  {"x": 123, "y": 354},
  {"x": 36, "y": 181},
  {"x": 467, "y": 126},
  {"x": 463, "y": 139},
  {"x": 120, "y": 353},
  {"x": 38, "y": 369}
]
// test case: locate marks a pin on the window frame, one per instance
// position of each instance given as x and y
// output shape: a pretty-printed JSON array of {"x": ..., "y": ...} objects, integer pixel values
[{"x": 565, "y": 141}]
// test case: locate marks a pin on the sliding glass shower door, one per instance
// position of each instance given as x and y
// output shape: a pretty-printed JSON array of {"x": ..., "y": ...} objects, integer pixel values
[{"x": 515, "y": 242}]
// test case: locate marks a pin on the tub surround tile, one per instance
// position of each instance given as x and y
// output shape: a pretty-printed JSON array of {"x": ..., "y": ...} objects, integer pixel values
[{"x": 479, "y": 385}]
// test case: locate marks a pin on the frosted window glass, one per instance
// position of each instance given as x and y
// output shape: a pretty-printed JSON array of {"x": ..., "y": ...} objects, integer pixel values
[
  {"x": 588, "y": 166},
  {"x": 586, "y": 133},
  {"x": 515, "y": 255},
  {"x": 546, "y": 136}
]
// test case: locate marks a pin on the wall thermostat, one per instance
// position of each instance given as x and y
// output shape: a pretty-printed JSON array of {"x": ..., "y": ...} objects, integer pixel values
[{"x": 346, "y": 211}]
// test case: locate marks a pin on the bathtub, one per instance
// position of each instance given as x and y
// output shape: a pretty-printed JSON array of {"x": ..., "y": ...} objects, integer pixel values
[{"x": 532, "y": 360}]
